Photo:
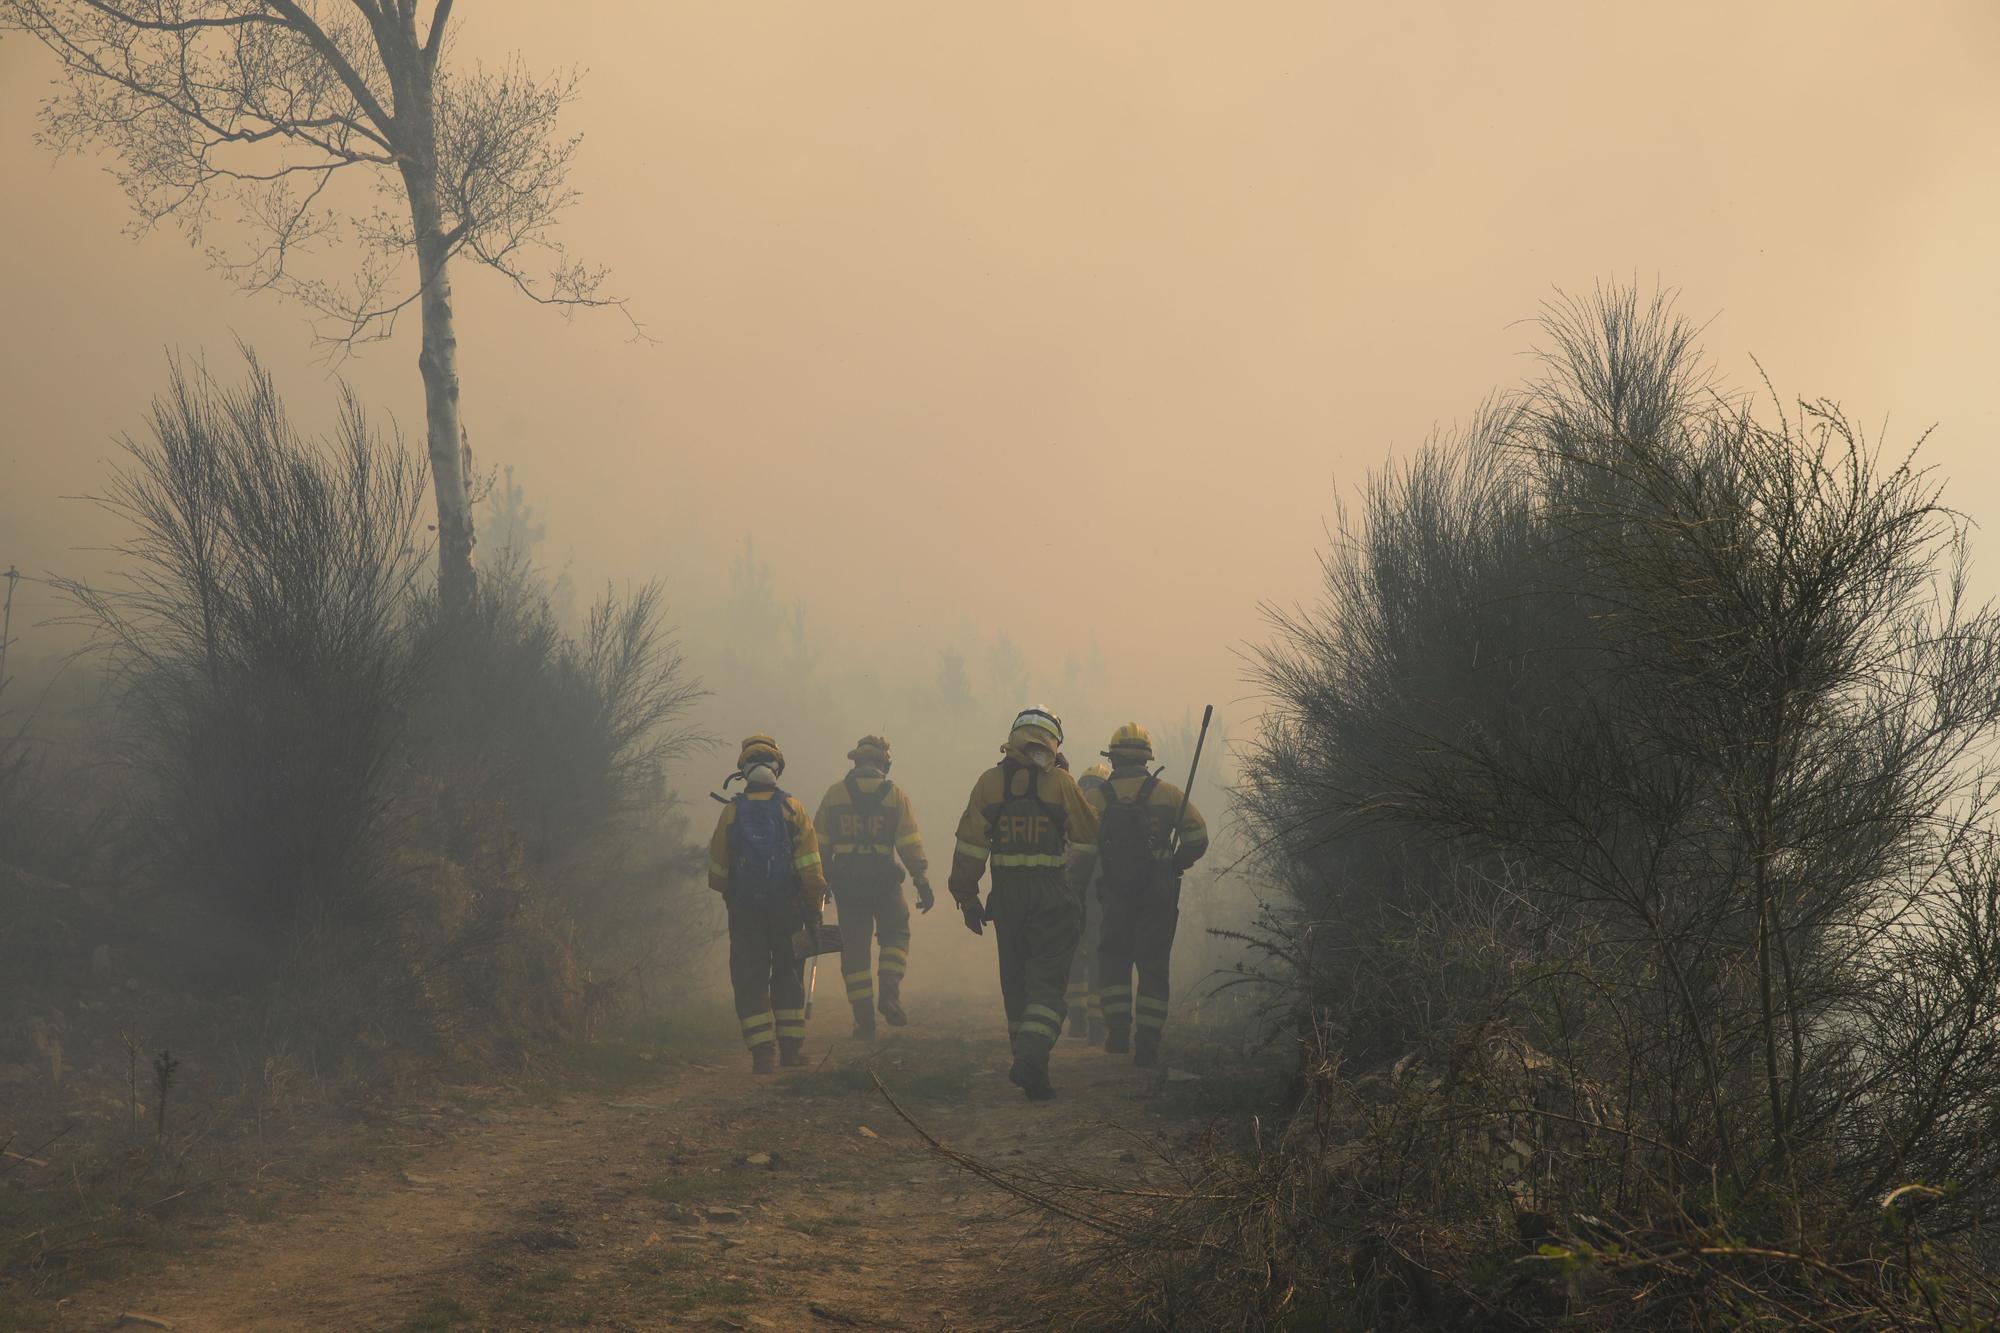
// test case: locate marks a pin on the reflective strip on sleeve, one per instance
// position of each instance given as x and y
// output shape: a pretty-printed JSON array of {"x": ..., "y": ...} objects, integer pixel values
[
  {"x": 1199, "y": 833},
  {"x": 1083, "y": 849},
  {"x": 806, "y": 862},
  {"x": 717, "y": 869},
  {"x": 910, "y": 839},
  {"x": 971, "y": 850}
]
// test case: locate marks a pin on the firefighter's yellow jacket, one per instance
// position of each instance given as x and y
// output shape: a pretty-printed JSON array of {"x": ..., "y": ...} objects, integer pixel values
[
  {"x": 1055, "y": 789},
  {"x": 805, "y": 846},
  {"x": 847, "y": 831}
]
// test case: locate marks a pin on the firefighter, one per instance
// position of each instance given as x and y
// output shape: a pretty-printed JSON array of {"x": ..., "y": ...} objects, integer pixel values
[
  {"x": 867, "y": 822},
  {"x": 764, "y": 861},
  {"x": 1025, "y": 816},
  {"x": 1139, "y": 888},
  {"x": 1086, "y": 1009}
]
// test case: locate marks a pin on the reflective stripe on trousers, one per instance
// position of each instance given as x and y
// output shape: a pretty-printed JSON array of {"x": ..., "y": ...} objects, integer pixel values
[{"x": 1037, "y": 919}]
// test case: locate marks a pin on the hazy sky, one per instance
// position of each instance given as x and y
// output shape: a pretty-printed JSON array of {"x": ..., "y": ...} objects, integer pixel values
[{"x": 1001, "y": 313}]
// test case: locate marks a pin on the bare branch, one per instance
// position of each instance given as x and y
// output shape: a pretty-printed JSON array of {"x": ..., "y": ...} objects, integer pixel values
[
  {"x": 434, "y": 44},
  {"x": 357, "y": 87},
  {"x": 211, "y": 107}
]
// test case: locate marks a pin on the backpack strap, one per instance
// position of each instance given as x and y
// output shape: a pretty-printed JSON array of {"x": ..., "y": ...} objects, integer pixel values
[
  {"x": 1143, "y": 799},
  {"x": 861, "y": 800},
  {"x": 1007, "y": 770},
  {"x": 779, "y": 797},
  {"x": 865, "y": 803},
  {"x": 1009, "y": 766},
  {"x": 882, "y": 795}
]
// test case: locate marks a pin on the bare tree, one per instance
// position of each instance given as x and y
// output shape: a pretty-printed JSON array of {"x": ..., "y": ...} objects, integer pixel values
[{"x": 255, "y": 109}]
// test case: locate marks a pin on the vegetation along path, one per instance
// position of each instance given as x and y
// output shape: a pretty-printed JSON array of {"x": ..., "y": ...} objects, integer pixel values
[{"x": 680, "y": 1192}]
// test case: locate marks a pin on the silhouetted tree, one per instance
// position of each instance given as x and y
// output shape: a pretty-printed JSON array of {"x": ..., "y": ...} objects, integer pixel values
[{"x": 255, "y": 108}]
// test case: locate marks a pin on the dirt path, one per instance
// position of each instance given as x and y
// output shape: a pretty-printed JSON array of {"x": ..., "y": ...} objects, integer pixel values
[{"x": 692, "y": 1197}]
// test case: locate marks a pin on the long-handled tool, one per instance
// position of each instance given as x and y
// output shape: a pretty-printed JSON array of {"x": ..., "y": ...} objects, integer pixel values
[
  {"x": 1171, "y": 852},
  {"x": 809, "y": 942}
]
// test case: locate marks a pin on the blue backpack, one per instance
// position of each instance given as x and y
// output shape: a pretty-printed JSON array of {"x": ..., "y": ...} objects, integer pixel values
[{"x": 760, "y": 851}]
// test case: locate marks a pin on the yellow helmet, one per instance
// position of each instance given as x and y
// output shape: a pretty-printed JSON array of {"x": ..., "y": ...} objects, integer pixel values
[
  {"x": 1130, "y": 743},
  {"x": 870, "y": 750},
  {"x": 760, "y": 749},
  {"x": 1098, "y": 771}
]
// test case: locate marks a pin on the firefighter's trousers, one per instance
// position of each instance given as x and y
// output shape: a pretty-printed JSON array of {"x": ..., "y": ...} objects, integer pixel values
[
  {"x": 1138, "y": 931},
  {"x": 1037, "y": 919},
  {"x": 1084, "y": 999},
  {"x": 766, "y": 972},
  {"x": 876, "y": 909}
]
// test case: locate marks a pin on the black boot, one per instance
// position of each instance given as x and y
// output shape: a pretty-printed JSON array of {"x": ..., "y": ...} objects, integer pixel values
[
  {"x": 1146, "y": 1048},
  {"x": 864, "y": 1020},
  {"x": 791, "y": 1051},
  {"x": 891, "y": 1002},
  {"x": 1118, "y": 1038},
  {"x": 761, "y": 1061},
  {"x": 1031, "y": 1076}
]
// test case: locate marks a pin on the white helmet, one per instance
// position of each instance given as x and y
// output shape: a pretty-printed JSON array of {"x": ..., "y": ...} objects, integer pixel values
[{"x": 1045, "y": 726}]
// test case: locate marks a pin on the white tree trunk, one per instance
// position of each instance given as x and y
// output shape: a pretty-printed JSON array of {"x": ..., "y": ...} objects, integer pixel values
[{"x": 450, "y": 454}]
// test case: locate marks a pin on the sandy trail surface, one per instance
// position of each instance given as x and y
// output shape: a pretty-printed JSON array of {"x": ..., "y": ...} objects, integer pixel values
[{"x": 692, "y": 1196}]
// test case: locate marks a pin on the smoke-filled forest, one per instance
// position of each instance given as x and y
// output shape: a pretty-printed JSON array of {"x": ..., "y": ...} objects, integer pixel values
[{"x": 1126, "y": 667}]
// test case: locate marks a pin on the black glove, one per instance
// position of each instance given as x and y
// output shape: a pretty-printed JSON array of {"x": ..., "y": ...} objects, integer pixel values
[
  {"x": 975, "y": 915},
  {"x": 926, "y": 900}
]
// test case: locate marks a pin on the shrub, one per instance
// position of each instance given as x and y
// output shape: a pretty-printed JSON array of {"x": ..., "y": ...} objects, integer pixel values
[
  {"x": 541, "y": 755},
  {"x": 1647, "y": 739},
  {"x": 258, "y": 635},
  {"x": 439, "y": 829}
]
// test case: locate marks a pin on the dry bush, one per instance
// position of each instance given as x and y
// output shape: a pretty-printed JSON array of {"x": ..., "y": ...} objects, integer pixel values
[
  {"x": 406, "y": 827},
  {"x": 257, "y": 633},
  {"x": 1630, "y": 788},
  {"x": 583, "y": 853}
]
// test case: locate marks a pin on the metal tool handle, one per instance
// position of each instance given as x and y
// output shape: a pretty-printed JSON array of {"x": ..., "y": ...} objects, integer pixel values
[{"x": 1172, "y": 850}]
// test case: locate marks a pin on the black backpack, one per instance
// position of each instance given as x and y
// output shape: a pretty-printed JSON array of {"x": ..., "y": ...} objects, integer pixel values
[
  {"x": 1125, "y": 841},
  {"x": 1030, "y": 803},
  {"x": 878, "y": 863},
  {"x": 760, "y": 851}
]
